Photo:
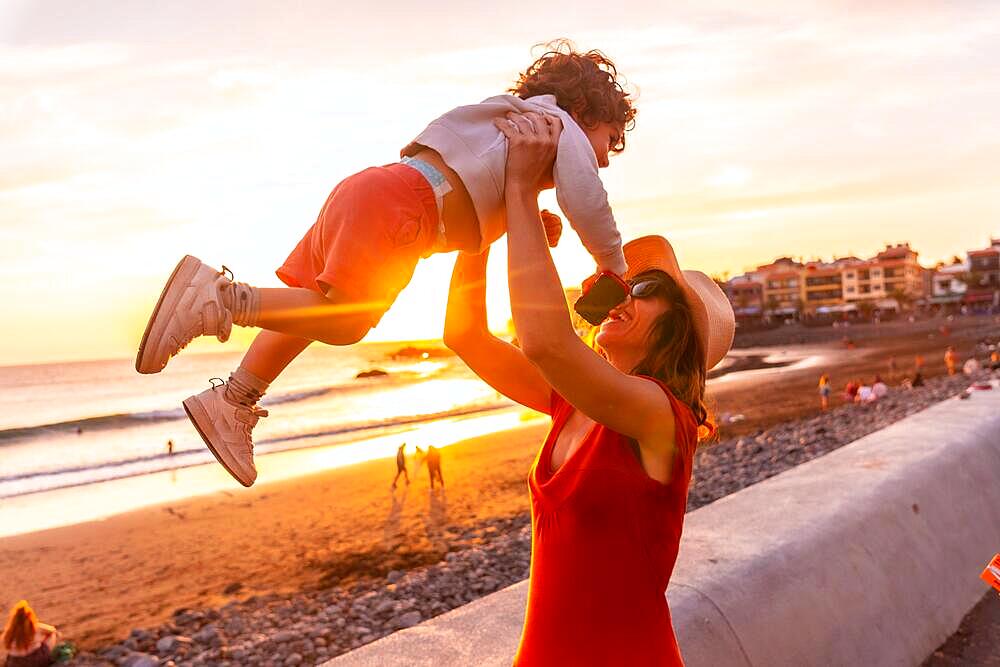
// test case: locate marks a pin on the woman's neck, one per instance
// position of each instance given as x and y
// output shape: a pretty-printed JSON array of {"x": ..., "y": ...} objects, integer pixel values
[{"x": 625, "y": 361}]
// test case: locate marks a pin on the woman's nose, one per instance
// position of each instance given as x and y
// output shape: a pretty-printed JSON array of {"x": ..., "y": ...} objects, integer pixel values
[{"x": 623, "y": 305}]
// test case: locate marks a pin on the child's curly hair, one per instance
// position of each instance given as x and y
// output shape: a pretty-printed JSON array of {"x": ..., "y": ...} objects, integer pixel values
[{"x": 584, "y": 84}]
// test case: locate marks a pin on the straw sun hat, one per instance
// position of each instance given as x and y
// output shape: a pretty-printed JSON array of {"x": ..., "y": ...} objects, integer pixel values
[{"x": 714, "y": 321}]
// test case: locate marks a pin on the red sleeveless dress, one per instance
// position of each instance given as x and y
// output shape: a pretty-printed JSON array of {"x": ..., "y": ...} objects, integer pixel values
[{"x": 604, "y": 542}]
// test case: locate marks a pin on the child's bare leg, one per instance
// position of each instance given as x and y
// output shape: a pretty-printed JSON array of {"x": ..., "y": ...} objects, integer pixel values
[
  {"x": 291, "y": 319},
  {"x": 304, "y": 313},
  {"x": 225, "y": 414},
  {"x": 271, "y": 352}
]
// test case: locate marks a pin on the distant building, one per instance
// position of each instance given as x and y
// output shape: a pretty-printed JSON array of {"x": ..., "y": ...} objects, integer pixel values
[
  {"x": 789, "y": 289},
  {"x": 983, "y": 279},
  {"x": 863, "y": 281},
  {"x": 892, "y": 280},
  {"x": 948, "y": 286},
  {"x": 781, "y": 288},
  {"x": 882, "y": 282},
  {"x": 823, "y": 288},
  {"x": 902, "y": 275},
  {"x": 747, "y": 297}
]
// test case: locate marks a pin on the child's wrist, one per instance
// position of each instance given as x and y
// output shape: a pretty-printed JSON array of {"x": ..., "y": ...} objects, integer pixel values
[
  {"x": 618, "y": 268},
  {"x": 519, "y": 195},
  {"x": 516, "y": 184}
]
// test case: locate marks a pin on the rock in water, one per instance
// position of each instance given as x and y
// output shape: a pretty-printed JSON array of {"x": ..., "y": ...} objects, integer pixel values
[{"x": 372, "y": 373}]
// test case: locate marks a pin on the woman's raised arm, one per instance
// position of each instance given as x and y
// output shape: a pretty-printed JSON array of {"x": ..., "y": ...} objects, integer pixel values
[
  {"x": 498, "y": 363},
  {"x": 625, "y": 403}
]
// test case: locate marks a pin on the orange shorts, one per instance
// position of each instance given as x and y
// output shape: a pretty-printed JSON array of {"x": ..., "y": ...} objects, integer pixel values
[{"x": 372, "y": 231}]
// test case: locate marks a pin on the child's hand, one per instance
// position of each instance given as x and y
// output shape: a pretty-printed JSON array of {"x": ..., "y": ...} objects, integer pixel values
[
  {"x": 553, "y": 227},
  {"x": 532, "y": 140}
]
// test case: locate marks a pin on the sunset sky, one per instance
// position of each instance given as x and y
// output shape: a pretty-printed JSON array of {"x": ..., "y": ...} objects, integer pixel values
[{"x": 132, "y": 133}]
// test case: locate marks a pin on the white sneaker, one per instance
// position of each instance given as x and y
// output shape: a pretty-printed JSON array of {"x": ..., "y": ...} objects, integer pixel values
[
  {"x": 190, "y": 305},
  {"x": 226, "y": 427}
]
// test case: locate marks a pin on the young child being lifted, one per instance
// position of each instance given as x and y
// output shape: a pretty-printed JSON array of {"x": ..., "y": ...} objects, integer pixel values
[{"x": 445, "y": 194}]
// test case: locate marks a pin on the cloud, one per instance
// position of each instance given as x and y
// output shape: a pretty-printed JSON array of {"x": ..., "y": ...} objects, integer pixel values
[
  {"x": 35, "y": 63},
  {"x": 925, "y": 182},
  {"x": 33, "y": 175}
]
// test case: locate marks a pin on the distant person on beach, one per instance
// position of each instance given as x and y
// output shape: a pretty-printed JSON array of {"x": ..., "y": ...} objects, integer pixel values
[
  {"x": 170, "y": 447},
  {"x": 879, "y": 388},
  {"x": 864, "y": 395},
  {"x": 918, "y": 363},
  {"x": 401, "y": 466},
  {"x": 609, "y": 486},
  {"x": 971, "y": 366},
  {"x": 995, "y": 361},
  {"x": 445, "y": 194},
  {"x": 434, "y": 465},
  {"x": 28, "y": 642},
  {"x": 950, "y": 360},
  {"x": 851, "y": 390},
  {"x": 418, "y": 458},
  {"x": 824, "y": 391}
]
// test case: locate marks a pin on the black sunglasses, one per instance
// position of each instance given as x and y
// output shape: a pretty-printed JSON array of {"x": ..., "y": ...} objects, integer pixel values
[{"x": 644, "y": 288}]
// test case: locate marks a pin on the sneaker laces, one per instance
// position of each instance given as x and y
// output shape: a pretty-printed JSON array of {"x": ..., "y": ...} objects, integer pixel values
[
  {"x": 250, "y": 416},
  {"x": 246, "y": 415},
  {"x": 253, "y": 415}
]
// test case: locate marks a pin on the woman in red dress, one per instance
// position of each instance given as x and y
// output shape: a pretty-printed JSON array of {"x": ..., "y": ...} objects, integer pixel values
[{"x": 609, "y": 485}]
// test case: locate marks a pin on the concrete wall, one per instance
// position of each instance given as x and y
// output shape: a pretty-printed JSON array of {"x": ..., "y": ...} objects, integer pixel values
[{"x": 869, "y": 555}]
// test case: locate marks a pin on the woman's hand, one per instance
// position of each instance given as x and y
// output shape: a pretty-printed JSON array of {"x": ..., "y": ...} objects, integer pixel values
[{"x": 532, "y": 140}]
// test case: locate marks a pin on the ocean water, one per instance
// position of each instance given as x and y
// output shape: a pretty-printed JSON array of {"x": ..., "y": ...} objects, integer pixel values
[{"x": 72, "y": 424}]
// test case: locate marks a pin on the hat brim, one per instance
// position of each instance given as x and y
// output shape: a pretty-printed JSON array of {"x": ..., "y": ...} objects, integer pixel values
[{"x": 714, "y": 320}]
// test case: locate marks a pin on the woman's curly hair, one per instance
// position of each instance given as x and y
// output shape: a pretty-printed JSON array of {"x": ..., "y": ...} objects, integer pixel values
[{"x": 584, "y": 84}]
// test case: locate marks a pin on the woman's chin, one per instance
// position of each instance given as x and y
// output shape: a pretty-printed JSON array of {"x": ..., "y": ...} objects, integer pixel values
[{"x": 609, "y": 334}]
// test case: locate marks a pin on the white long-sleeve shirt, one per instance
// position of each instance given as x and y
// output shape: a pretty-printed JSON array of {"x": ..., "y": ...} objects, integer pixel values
[{"x": 470, "y": 144}]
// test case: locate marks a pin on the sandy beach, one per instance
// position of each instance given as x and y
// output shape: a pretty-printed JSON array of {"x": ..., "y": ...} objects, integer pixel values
[{"x": 99, "y": 579}]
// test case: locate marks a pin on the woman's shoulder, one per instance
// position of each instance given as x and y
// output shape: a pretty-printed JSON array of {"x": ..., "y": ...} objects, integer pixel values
[
  {"x": 681, "y": 410},
  {"x": 685, "y": 423},
  {"x": 675, "y": 403}
]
